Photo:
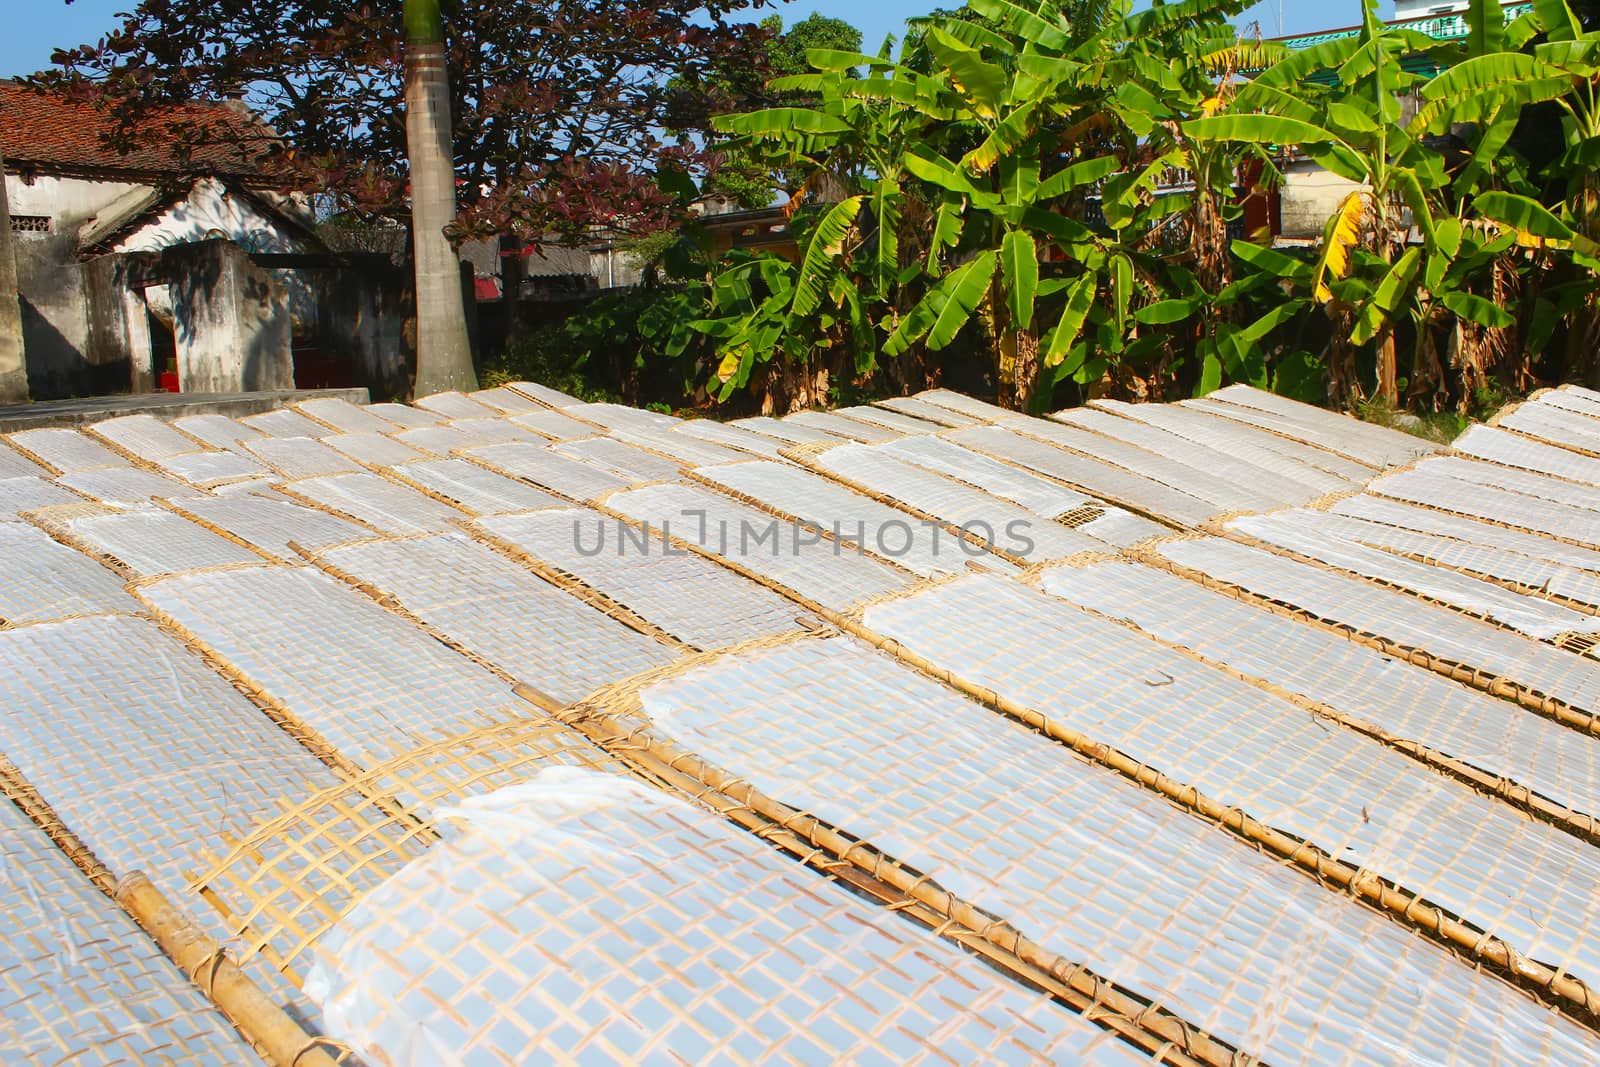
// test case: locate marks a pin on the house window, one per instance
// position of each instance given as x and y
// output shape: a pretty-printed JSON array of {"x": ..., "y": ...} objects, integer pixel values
[{"x": 31, "y": 224}]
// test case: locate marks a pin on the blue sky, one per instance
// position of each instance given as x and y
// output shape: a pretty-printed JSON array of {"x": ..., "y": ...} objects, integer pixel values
[{"x": 40, "y": 26}]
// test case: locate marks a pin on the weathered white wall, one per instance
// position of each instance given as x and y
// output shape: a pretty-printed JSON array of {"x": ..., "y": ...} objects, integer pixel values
[
  {"x": 1308, "y": 197},
  {"x": 69, "y": 201},
  {"x": 211, "y": 210}
]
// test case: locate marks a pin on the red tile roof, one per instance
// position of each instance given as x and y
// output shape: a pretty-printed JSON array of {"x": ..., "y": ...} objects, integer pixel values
[{"x": 50, "y": 132}]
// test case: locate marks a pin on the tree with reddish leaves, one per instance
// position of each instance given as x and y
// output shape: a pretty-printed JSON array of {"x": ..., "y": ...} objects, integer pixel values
[{"x": 559, "y": 107}]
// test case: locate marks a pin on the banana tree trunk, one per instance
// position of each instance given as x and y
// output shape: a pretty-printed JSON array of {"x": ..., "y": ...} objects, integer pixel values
[
  {"x": 444, "y": 354},
  {"x": 13, "y": 368}
]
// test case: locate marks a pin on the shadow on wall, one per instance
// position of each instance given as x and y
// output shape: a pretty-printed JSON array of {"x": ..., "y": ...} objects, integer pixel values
[{"x": 57, "y": 370}]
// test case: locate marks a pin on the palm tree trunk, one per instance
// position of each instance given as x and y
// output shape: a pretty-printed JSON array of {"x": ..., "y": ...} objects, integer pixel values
[
  {"x": 444, "y": 354},
  {"x": 13, "y": 369}
]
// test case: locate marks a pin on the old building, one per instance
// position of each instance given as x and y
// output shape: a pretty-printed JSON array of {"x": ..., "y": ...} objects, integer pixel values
[{"x": 150, "y": 264}]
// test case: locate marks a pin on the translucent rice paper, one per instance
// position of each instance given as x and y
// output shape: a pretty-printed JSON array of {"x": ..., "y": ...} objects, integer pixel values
[
  {"x": 14, "y": 464},
  {"x": 1436, "y": 489},
  {"x": 693, "y": 598},
  {"x": 1226, "y": 494},
  {"x": 494, "y": 430},
  {"x": 386, "y": 506},
  {"x": 406, "y": 416},
  {"x": 507, "y": 400},
  {"x": 1032, "y": 491},
  {"x": 82, "y": 984},
  {"x": 1280, "y": 480},
  {"x": 1093, "y": 867},
  {"x": 1527, "y": 882},
  {"x": 286, "y": 422},
  {"x": 889, "y": 420},
  {"x": 1305, "y": 533},
  {"x": 123, "y": 485},
  {"x": 143, "y": 751},
  {"x": 151, "y": 541},
  {"x": 271, "y": 525},
  {"x": 555, "y": 424},
  {"x": 922, "y": 409},
  {"x": 1404, "y": 620},
  {"x": 1514, "y": 480},
  {"x": 624, "y": 460},
  {"x": 475, "y": 489},
  {"x": 375, "y": 449},
  {"x": 207, "y": 469},
  {"x": 371, "y": 683},
  {"x": 791, "y": 433},
  {"x": 1514, "y": 450},
  {"x": 571, "y": 478},
  {"x": 440, "y": 440},
  {"x": 40, "y": 579},
  {"x": 67, "y": 451},
  {"x": 18, "y": 495},
  {"x": 218, "y": 431},
  {"x": 831, "y": 575},
  {"x": 722, "y": 433},
  {"x": 545, "y": 395},
  {"x": 1316, "y": 466},
  {"x": 1094, "y": 476},
  {"x": 301, "y": 457},
  {"x": 1366, "y": 441},
  {"x": 620, "y": 416},
  {"x": 1404, "y": 700},
  {"x": 453, "y": 405},
  {"x": 499, "y": 610},
  {"x": 842, "y": 426},
  {"x": 1574, "y": 398},
  {"x": 888, "y": 533},
  {"x": 582, "y": 913},
  {"x": 346, "y": 417},
  {"x": 1555, "y": 424},
  {"x": 144, "y": 436},
  {"x": 998, "y": 522},
  {"x": 970, "y": 406},
  {"x": 1467, "y": 530},
  {"x": 688, "y": 450}
]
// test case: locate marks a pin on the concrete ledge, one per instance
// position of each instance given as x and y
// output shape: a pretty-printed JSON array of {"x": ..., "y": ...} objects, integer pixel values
[{"x": 82, "y": 410}]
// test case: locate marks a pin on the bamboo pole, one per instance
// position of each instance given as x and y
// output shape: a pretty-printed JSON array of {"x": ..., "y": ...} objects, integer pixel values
[{"x": 262, "y": 1022}]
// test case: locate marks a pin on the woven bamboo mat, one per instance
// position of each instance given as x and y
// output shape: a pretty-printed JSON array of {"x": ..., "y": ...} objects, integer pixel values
[
  {"x": 270, "y": 525},
  {"x": 1492, "y": 653},
  {"x": 889, "y": 533},
  {"x": 586, "y": 916},
  {"x": 13, "y": 464},
  {"x": 374, "y": 449},
  {"x": 1099, "y": 479},
  {"x": 1032, "y": 491},
  {"x": 838, "y": 425},
  {"x": 1270, "y": 475},
  {"x": 494, "y": 429},
  {"x": 81, "y": 983},
  {"x": 1084, "y": 861},
  {"x": 440, "y": 440},
  {"x": 344, "y": 417},
  {"x": 688, "y": 450},
  {"x": 626, "y": 461},
  {"x": 144, "y": 436},
  {"x": 689, "y": 596},
  {"x": 554, "y": 398},
  {"x": 986, "y": 517},
  {"x": 1305, "y": 533},
  {"x": 370, "y": 682},
  {"x": 301, "y": 457},
  {"x": 1574, "y": 398},
  {"x": 28, "y": 493},
  {"x": 536, "y": 464},
  {"x": 123, "y": 485},
  {"x": 501, "y": 612},
  {"x": 142, "y": 541},
  {"x": 66, "y": 451},
  {"x": 1195, "y": 480},
  {"x": 722, "y": 433},
  {"x": 1404, "y": 700},
  {"x": 1317, "y": 467},
  {"x": 207, "y": 469},
  {"x": 1527, "y": 882},
  {"x": 453, "y": 405},
  {"x": 554, "y": 425},
  {"x": 382, "y": 504},
  {"x": 475, "y": 489},
  {"x": 1553, "y": 423},
  {"x": 620, "y": 416},
  {"x": 825, "y": 573},
  {"x": 1541, "y": 468},
  {"x": 1433, "y": 488},
  {"x": 285, "y": 422},
  {"x": 42, "y": 579},
  {"x": 969, "y": 406}
]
